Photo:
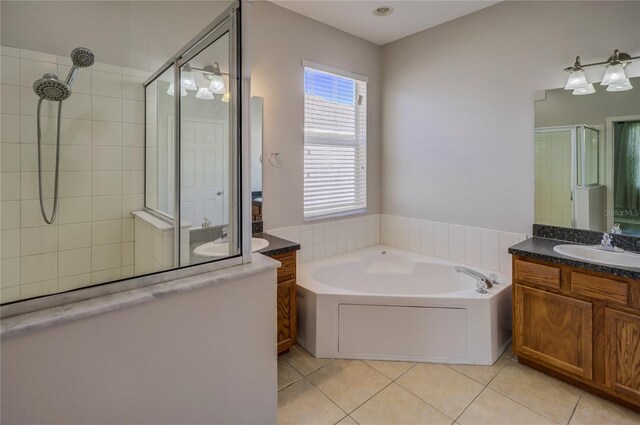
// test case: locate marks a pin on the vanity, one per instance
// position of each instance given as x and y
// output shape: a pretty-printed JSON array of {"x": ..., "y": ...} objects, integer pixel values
[{"x": 575, "y": 319}]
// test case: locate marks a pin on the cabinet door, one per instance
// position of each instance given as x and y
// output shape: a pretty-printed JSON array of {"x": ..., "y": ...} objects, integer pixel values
[
  {"x": 286, "y": 315},
  {"x": 553, "y": 329},
  {"x": 622, "y": 352}
]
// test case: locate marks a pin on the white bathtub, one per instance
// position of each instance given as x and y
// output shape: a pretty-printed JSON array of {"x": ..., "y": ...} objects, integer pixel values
[{"x": 389, "y": 304}]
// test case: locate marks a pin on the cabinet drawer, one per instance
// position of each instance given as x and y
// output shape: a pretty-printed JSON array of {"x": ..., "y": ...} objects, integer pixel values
[
  {"x": 287, "y": 270},
  {"x": 599, "y": 288},
  {"x": 539, "y": 274}
]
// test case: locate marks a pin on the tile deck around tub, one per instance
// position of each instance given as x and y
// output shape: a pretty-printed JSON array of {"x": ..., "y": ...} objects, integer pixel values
[{"x": 328, "y": 391}]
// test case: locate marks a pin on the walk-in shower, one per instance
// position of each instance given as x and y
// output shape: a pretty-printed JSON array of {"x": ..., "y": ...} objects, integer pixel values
[{"x": 51, "y": 88}]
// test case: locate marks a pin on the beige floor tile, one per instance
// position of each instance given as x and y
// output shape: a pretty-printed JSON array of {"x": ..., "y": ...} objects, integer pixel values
[
  {"x": 349, "y": 383},
  {"x": 348, "y": 420},
  {"x": 594, "y": 410},
  {"x": 302, "y": 361},
  {"x": 493, "y": 408},
  {"x": 395, "y": 405},
  {"x": 538, "y": 391},
  {"x": 442, "y": 387},
  {"x": 286, "y": 374},
  {"x": 482, "y": 374},
  {"x": 390, "y": 369},
  {"x": 302, "y": 403}
]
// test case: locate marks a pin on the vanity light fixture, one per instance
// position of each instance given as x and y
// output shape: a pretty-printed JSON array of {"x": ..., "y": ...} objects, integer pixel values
[
  {"x": 577, "y": 78},
  {"x": 226, "y": 97},
  {"x": 585, "y": 90},
  {"x": 615, "y": 77},
  {"x": 204, "y": 94},
  {"x": 172, "y": 90},
  {"x": 188, "y": 79},
  {"x": 212, "y": 75}
]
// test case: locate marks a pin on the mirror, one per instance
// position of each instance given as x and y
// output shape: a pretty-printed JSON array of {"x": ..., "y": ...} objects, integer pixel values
[
  {"x": 587, "y": 159},
  {"x": 257, "y": 104}
]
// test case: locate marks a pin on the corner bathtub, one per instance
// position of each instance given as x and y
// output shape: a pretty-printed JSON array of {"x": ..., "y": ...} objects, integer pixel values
[{"x": 389, "y": 304}]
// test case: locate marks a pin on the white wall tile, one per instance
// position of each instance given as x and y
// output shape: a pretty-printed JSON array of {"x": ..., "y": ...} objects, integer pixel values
[
  {"x": 106, "y": 109},
  {"x": 74, "y": 236},
  {"x": 10, "y": 51},
  {"x": 106, "y": 158},
  {"x": 456, "y": 234},
  {"x": 10, "y": 70},
  {"x": 104, "y": 133},
  {"x": 490, "y": 240},
  {"x": 74, "y": 210},
  {"x": 133, "y": 111},
  {"x": 10, "y": 99},
  {"x": 132, "y": 159},
  {"x": 31, "y": 70},
  {"x": 106, "y": 183},
  {"x": 74, "y": 184},
  {"x": 106, "y": 84},
  {"x": 37, "y": 268},
  {"x": 490, "y": 260},
  {"x": 74, "y": 262},
  {"x": 77, "y": 107},
  {"x": 9, "y": 128},
  {"x": 74, "y": 282},
  {"x": 10, "y": 243},
  {"x": 106, "y": 275},
  {"x": 38, "y": 56},
  {"x": 132, "y": 87},
  {"x": 132, "y": 135},
  {"x": 103, "y": 67},
  {"x": 106, "y": 232},
  {"x": 9, "y": 215},
  {"x": 75, "y": 158},
  {"x": 10, "y": 272},
  {"x": 10, "y": 157},
  {"x": 106, "y": 257},
  {"x": 38, "y": 289},
  {"x": 38, "y": 240},
  {"x": 132, "y": 182},
  {"x": 10, "y": 186},
  {"x": 472, "y": 238},
  {"x": 106, "y": 207}
]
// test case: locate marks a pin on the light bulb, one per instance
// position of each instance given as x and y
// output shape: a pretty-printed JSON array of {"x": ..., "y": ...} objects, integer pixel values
[
  {"x": 614, "y": 75},
  {"x": 624, "y": 86},
  {"x": 204, "y": 94},
  {"x": 577, "y": 80},
  {"x": 217, "y": 85},
  {"x": 587, "y": 90},
  {"x": 188, "y": 79},
  {"x": 172, "y": 90}
]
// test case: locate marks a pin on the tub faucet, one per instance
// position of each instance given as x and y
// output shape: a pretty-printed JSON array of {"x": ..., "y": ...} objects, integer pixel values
[{"x": 482, "y": 282}]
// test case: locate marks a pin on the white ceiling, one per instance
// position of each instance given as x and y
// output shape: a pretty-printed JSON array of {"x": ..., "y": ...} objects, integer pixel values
[{"x": 409, "y": 17}]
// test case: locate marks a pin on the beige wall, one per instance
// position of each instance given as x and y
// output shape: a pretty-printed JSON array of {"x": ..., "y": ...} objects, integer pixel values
[
  {"x": 178, "y": 359},
  {"x": 458, "y": 105},
  {"x": 281, "y": 39}
]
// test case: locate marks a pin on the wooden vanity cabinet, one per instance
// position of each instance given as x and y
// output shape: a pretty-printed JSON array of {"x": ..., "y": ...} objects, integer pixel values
[
  {"x": 286, "y": 300},
  {"x": 580, "y": 326}
]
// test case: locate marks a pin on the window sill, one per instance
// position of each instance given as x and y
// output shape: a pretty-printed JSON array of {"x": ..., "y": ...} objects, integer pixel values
[{"x": 328, "y": 217}]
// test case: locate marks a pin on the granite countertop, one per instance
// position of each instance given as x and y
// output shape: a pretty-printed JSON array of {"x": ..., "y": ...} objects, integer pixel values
[
  {"x": 542, "y": 249},
  {"x": 276, "y": 246}
]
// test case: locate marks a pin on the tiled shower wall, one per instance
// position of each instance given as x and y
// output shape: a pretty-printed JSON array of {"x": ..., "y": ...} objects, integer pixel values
[
  {"x": 101, "y": 176},
  {"x": 474, "y": 246}
]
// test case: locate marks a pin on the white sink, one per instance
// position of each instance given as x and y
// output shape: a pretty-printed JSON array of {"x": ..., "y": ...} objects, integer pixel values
[
  {"x": 221, "y": 249},
  {"x": 589, "y": 253}
]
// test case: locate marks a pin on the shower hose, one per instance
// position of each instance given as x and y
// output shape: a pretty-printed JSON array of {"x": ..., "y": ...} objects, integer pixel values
[{"x": 49, "y": 220}]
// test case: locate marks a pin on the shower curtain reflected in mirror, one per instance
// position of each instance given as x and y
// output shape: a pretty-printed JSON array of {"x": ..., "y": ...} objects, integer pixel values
[{"x": 627, "y": 174}]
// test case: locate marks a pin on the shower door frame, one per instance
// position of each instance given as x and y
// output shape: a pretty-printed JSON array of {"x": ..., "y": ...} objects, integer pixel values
[
  {"x": 574, "y": 158},
  {"x": 227, "y": 22}
]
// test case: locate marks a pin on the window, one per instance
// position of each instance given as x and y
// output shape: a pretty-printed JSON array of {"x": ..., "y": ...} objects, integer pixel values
[{"x": 335, "y": 142}]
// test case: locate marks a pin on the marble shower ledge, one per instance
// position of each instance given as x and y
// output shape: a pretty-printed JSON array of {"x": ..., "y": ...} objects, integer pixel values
[{"x": 42, "y": 319}]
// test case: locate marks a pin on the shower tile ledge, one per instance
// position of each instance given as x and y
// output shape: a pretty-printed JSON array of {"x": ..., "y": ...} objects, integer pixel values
[{"x": 42, "y": 319}]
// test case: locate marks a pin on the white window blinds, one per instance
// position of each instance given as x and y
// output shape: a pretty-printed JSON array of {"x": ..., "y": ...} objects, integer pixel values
[{"x": 335, "y": 143}]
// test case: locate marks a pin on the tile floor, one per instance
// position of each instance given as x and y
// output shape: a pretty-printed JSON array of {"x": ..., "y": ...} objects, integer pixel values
[{"x": 326, "y": 391}]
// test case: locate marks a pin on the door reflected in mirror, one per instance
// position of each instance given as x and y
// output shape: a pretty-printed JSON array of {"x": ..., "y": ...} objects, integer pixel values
[
  {"x": 587, "y": 160},
  {"x": 256, "y": 158}
]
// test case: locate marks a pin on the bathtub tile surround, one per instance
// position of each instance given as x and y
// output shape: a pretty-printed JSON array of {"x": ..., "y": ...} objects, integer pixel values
[
  {"x": 484, "y": 394},
  {"x": 483, "y": 248},
  {"x": 326, "y": 239},
  {"x": 101, "y": 181}
]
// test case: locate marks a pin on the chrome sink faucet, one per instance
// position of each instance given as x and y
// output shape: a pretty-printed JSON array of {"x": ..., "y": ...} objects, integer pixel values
[
  {"x": 482, "y": 282},
  {"x": 206, "y": 223},
  {"x": 606, "y": 244}
]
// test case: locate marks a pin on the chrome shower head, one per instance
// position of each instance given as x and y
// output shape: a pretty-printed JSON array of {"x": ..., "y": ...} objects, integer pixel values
[
  {"x": 49, "y": 87},
  {"x": 82, "y": 57}
]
